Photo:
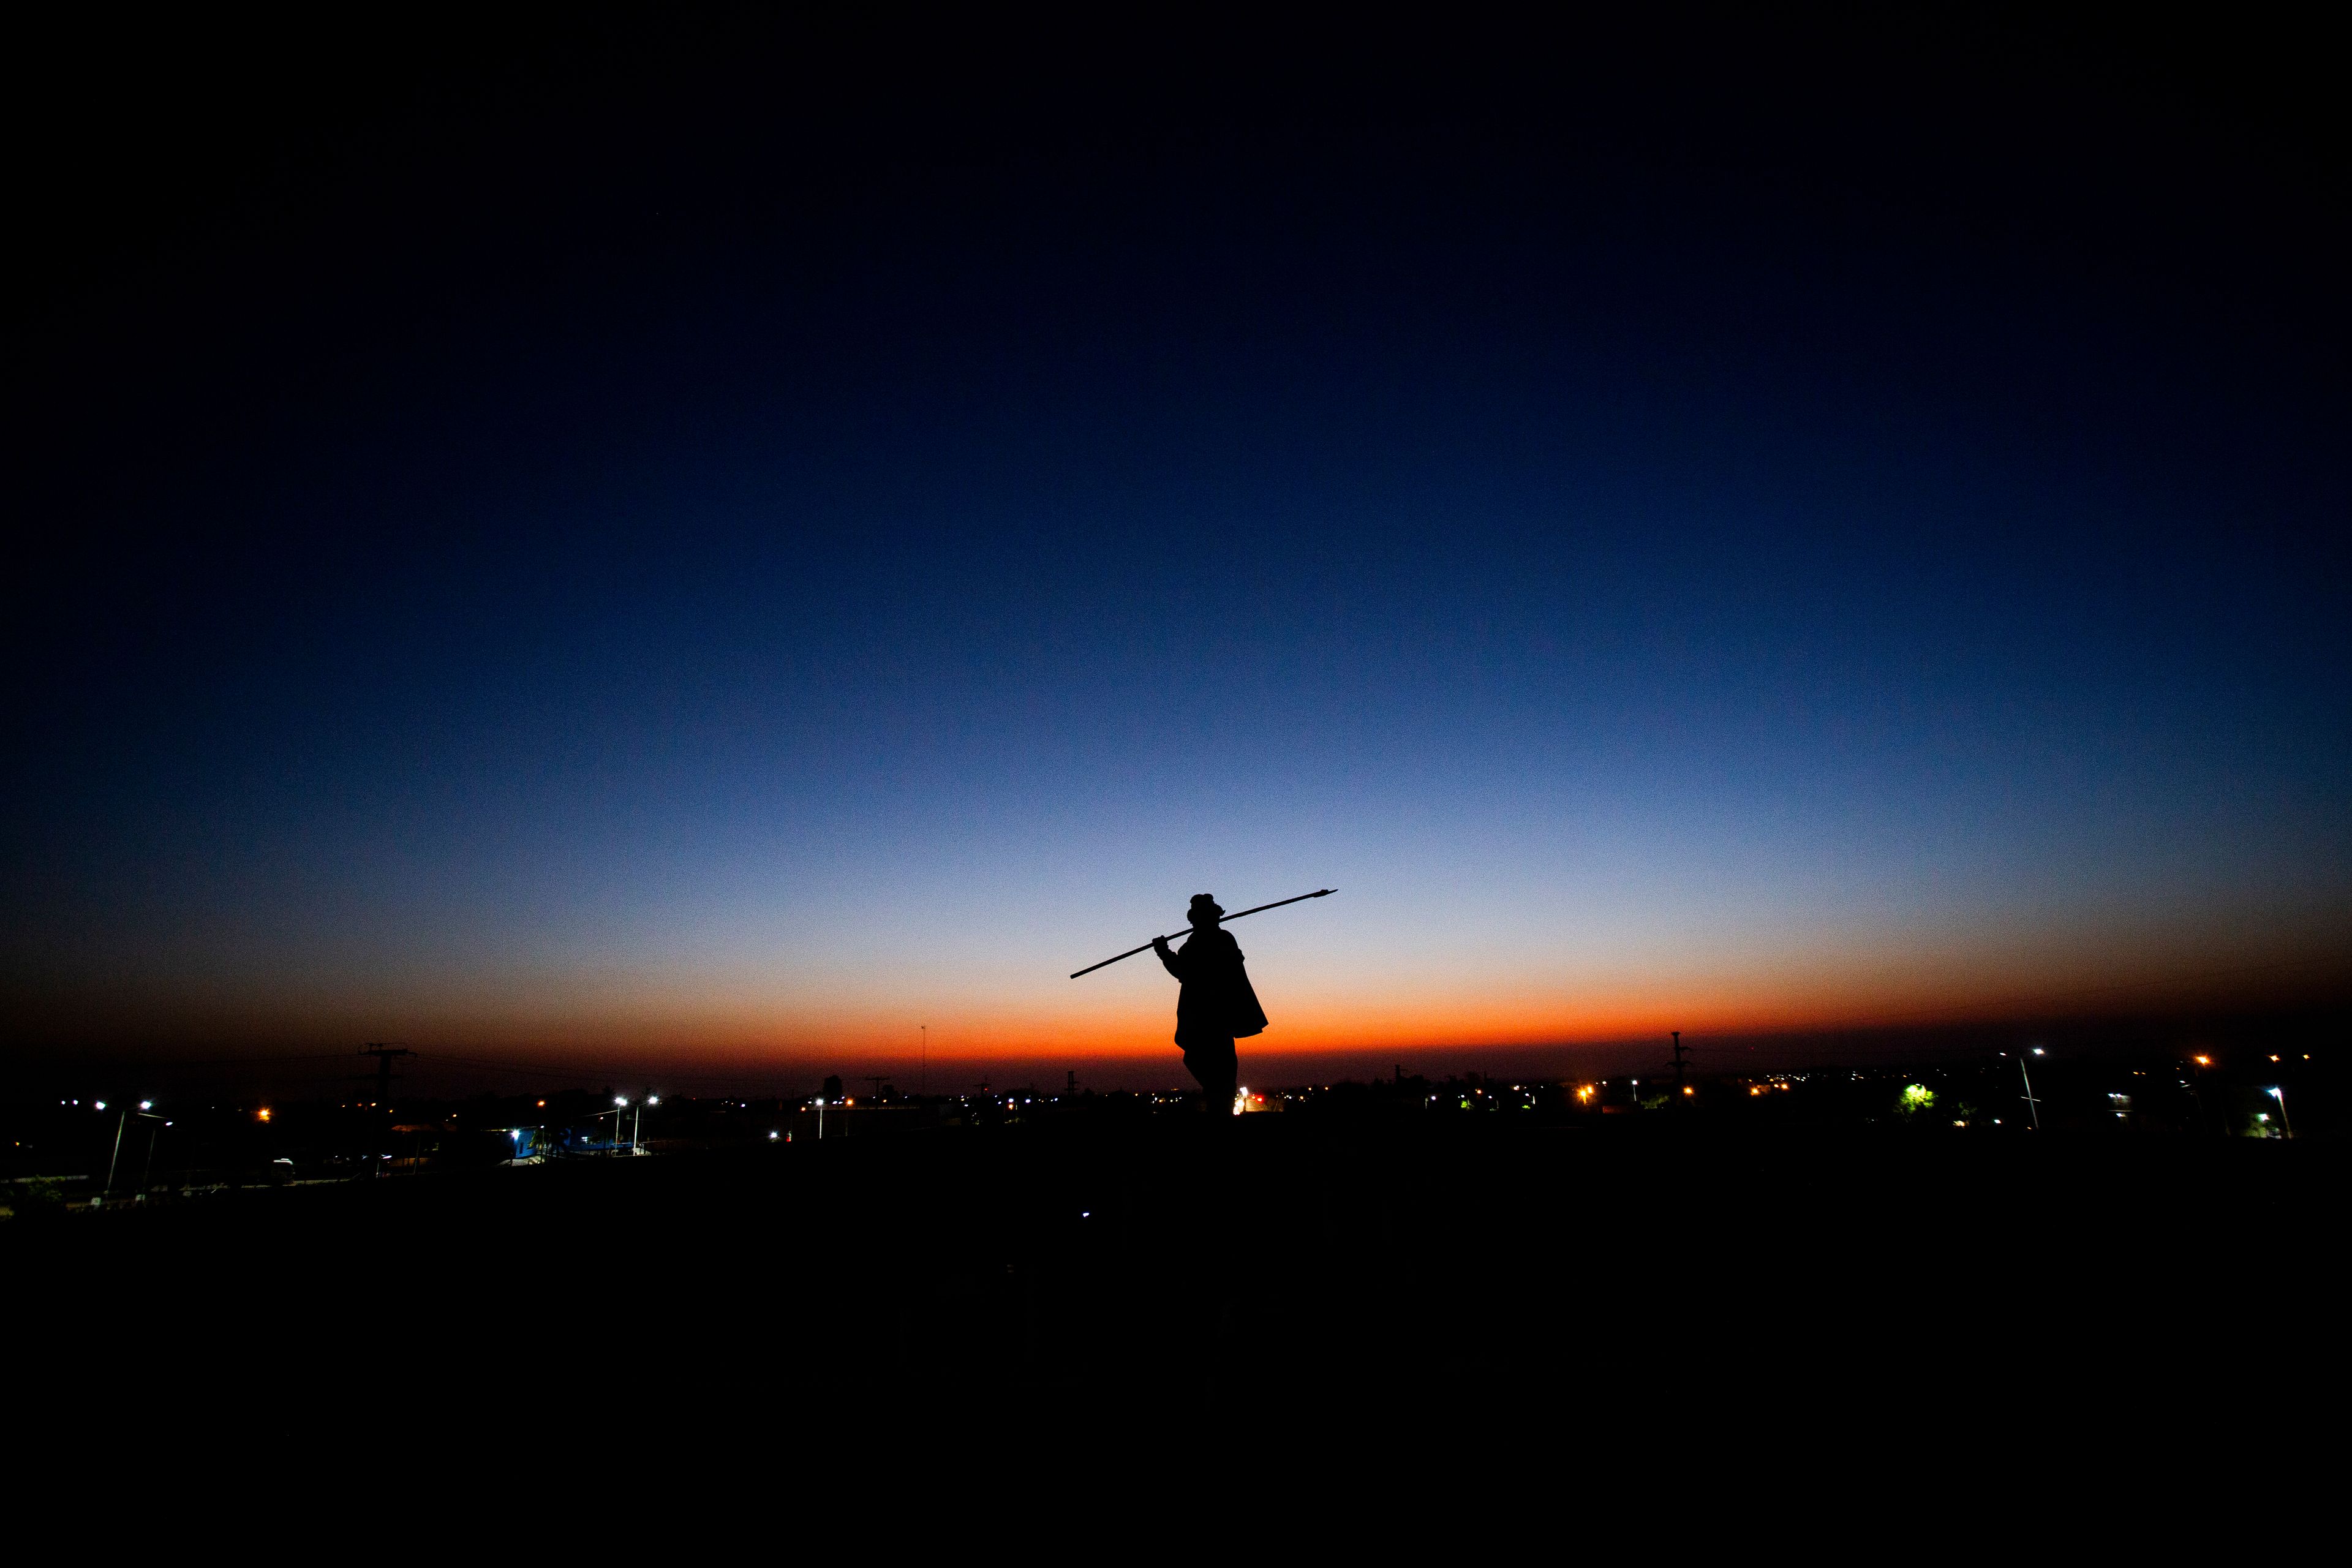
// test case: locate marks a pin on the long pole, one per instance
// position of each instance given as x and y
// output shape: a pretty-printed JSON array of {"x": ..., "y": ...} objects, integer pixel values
[
  {"x": 1222, "y": 920},
  {"x": 117, "y": 1155},
  {"x": 923, "y": 1085},
  {"x": 2284, "y": 1120},
  {"x": 2032, "y": 1104}
]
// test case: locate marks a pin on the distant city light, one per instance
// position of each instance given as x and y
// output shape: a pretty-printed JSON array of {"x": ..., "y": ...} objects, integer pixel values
[
  {"x": 263, "y": 1113},
  {"x": 2037, "y": 1050},
  {"x": 102, "y": 1104},
  {"x": 620, "y": 1100},
  {"x": 772, "y": 1137},
  {"x": 146, "y": 1105},
  {"x": 2204, "y": 1061},
  {"x": 653, "y": 1100}
]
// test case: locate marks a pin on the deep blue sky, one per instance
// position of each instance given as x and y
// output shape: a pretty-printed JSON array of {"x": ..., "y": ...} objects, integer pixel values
[{"x": 613, "y": 548}]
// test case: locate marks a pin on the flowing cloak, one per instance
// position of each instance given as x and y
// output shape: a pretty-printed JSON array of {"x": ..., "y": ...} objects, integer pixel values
[{"x": 1216, "y": 1003}]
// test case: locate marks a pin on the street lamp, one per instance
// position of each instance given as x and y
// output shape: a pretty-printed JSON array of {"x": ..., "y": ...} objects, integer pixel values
[
  {"x": 2032, "y": 1104},
  {"x": 147, "y": 1172},
  {"x": 2285, "y": 1121},
  {"x": 114, "y": 1159},
  {"x": 2200, "y": 1065}
]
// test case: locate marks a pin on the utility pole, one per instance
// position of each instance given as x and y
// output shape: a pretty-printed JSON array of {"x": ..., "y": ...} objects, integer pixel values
[
  {"x": 147, "y": 1176},
  {"x": 2032, "y": 1104},
  {"x": 923, "y": 1075},
  {"x": 114, "y": 1159},
  {"x": 383, "y": 1055},
  {"x": 1679, "y": 1049}
]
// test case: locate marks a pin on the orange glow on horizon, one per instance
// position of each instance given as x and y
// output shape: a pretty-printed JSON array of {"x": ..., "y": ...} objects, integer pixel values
[{"x": 725, "y": 1023}]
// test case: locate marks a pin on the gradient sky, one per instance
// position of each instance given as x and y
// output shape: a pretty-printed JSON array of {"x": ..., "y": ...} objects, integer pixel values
[{"x": 558, "y": 555}]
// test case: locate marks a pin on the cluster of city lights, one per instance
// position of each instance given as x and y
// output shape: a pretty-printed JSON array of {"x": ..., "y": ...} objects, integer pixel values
[{"x": 1477, "y": 1094}]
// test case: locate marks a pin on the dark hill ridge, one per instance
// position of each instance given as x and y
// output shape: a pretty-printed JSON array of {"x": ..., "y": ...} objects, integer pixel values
[{"x": 1059, "y": 1250}]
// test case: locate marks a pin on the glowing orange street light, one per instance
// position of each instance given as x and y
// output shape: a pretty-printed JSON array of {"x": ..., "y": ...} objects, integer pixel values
[{"x": 263, "y": 1113}]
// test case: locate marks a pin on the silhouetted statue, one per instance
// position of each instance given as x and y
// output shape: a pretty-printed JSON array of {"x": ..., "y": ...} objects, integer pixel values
[{"x": 1216, "y": 1006}]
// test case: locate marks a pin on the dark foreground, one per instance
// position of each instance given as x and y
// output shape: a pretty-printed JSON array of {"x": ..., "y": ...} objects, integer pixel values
[{"x": 1279, "y": 1250}]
